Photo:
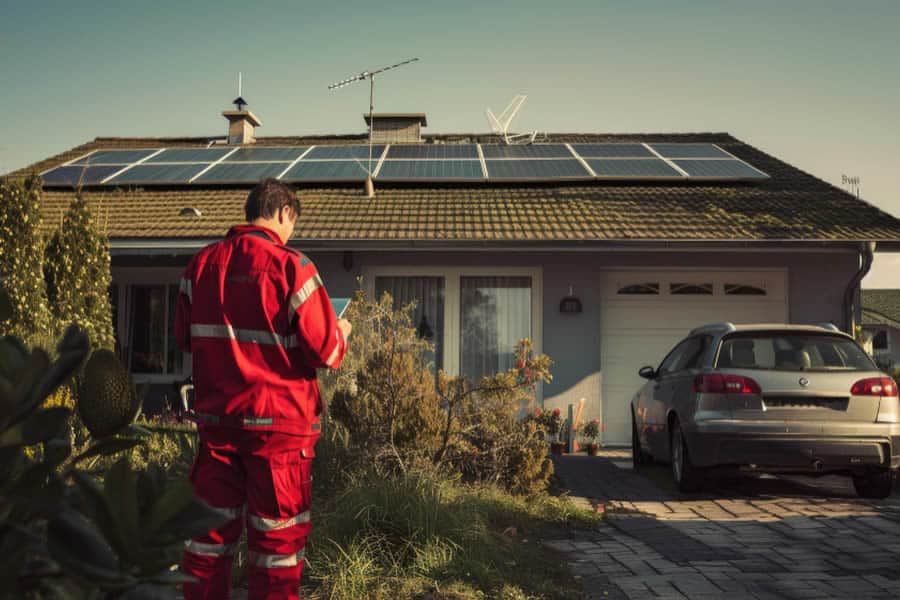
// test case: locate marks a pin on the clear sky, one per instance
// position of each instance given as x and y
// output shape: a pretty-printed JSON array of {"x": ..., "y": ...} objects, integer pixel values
[{"x": 815, "y": 83}]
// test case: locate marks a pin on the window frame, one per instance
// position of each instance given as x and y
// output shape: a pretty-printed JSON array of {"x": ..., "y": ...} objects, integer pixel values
[
  {"x": 887, "y": 340},
  {"x": 452, "y": 285},
  {"x": 126, "y": 278}
]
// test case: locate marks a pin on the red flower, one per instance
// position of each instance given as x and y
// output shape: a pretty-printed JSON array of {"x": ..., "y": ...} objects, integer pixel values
[
  {"x": 603, "y": 427},
  {"x": 596, "y": 421},
  {"x": 537, "y": 411},
  {"x": 557, "y": 411},
  {"x": 520, "y": 364}
]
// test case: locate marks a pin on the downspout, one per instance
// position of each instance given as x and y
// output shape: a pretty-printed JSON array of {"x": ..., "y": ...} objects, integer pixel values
[{"x": 867, "y": 253}]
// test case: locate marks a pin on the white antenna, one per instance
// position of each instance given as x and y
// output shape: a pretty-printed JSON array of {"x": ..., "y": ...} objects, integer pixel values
[
  {"x": 240, "y": 83},
  {"x": 370, "y": 75},
  {"x": 500, "y": 124},
  {"x": 852, "y": 182}
]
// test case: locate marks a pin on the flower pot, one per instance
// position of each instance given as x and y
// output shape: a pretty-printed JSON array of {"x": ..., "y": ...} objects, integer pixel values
[
  {"x": 557, "y": 447},
  {"x": 593, "y": 449}
]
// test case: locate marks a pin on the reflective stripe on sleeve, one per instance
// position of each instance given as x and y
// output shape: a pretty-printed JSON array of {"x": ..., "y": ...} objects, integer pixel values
[
  {"x": 303, "y": 294},
  {"x": 334, "y": 354},
  {"x": 275, "y": 561},
  {"x": 266, "y": 524},
  {"x": 269, "y": 338},
  {"x": 185, "y": 288},
  {"x": 201, "y": 549}
]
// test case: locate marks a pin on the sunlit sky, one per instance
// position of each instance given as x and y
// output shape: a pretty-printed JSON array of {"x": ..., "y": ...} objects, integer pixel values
[{"x": 815, "y": 83}]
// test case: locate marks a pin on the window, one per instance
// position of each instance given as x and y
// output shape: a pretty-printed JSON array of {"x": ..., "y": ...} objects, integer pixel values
[
  {"x": 428, "y": 315},
  {"x": 640, "y": 289},
  {"x": 686, "y": 355},
  {"x": 153, "y": 345},
  {"x": 739, "y": 289},
  {"x": 475, "y": 313},
  {"x": 495, "y": 313},
  {"x": 880, "y": 341},
  {"x": 691, "y": 289},
  {"x": 788, "y": 351}
]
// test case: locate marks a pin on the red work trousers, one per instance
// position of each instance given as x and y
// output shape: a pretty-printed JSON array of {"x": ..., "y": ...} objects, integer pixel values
[{"x": 264, "y": 478}]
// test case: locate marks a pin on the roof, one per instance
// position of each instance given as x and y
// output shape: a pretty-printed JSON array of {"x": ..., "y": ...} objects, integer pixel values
[
  {"x": 881, "y": 307},
  {"x": 791, "y": 206}
]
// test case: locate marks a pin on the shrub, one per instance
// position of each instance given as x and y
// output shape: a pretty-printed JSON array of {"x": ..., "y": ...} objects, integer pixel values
[
  {"x": 77, "y": 274},
  {"x": 62, "y": 532},
  {"x": 21, "y": 260},
  {"x": 397, "y": 416}
]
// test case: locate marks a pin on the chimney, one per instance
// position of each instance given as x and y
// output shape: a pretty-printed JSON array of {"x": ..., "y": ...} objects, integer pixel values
[
  {"x": 241, "y": 123},
  {"x": 397, "y": 128}
]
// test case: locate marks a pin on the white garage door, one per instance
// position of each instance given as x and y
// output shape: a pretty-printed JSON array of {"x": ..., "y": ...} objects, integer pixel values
[{"x": 645, "y": 313}]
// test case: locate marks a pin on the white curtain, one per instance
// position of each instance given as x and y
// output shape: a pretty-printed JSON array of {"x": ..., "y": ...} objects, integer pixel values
[
  {"x": 495, "y": 313},
  {"x": 428, "y": 315}
]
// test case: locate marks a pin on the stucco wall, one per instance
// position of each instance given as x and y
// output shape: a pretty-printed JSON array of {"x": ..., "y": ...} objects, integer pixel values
[{"x": 816, "y": 283}]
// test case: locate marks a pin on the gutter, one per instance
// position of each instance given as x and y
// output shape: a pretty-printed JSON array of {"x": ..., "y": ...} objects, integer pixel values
[{"x": 867, "y": 255}]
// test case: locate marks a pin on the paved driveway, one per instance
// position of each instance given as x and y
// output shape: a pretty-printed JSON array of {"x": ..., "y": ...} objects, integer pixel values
[{"x": 747, "y": 537}]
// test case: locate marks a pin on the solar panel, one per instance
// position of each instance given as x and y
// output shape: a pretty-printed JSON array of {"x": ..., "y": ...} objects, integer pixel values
[
  {"x": 228, "y": 172},
  {"x": 206, "y": 155},
  {"x": 338, "y": 152},
  {"x": 267, "y": 154},
  {"x": 158, "y": 174},
  {"x": 612, "y": 151},
  {"x": 720, "y": 169},
  {"x": 324, "y": 170},
  {"x": 536, "y": 169},
  {"x": 75, "y": 176},
  {"x": 632, "y": 168},
  {"x": 444, "y": 151},
  {"x": 430, "y": 169},
  {"x": 689, "y": 151},
  {"x": 114, "y": 157},
  {"x": 526, "y": 151}
]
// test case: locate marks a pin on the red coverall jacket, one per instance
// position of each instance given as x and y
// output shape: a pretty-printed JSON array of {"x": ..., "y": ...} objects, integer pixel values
[{"x": 258, "y": 321}]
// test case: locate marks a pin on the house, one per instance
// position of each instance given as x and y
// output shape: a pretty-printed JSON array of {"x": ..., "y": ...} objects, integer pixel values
[
  {"x": 605, "y": 249},
  {"x": 881, "y": 319}
]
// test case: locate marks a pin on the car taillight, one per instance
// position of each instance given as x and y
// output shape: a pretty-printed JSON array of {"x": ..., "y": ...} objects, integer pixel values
[
  {"x": 874, "y": 386},
  {"x": 715, "y": 383}
]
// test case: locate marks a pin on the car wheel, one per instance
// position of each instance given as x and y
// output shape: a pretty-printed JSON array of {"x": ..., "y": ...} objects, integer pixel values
[
  {"x": 638, "y": 457},
  {"x": 688, "y": 478},
  {"x": 874, "y": 484}
]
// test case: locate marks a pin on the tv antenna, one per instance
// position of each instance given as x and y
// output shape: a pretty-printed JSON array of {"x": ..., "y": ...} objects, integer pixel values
[
  {"x": 370, "y": 75},
  {"x": 500, "y": 124},
  {"x": 239, "y": 102},
  {"x": 852, "y": 183}
]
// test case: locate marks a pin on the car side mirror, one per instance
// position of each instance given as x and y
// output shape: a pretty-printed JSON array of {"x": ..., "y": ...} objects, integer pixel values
[{"x": 647, "y": 372}]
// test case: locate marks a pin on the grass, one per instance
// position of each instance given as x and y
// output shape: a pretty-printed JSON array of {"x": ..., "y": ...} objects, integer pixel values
[{"x": 423, "y": 536}]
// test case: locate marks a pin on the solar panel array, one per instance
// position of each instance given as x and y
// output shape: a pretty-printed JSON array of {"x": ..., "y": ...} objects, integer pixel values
[{"x": 403, "y": 163}]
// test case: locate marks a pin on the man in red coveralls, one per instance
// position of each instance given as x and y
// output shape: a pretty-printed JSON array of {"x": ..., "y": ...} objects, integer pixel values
[{"x": 258, "y": 321}]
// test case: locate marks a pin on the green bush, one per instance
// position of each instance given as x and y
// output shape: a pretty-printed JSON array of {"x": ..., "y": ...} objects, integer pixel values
[
  {"x": 396, "y": 415},
  {"x": 70, "y": 531}
]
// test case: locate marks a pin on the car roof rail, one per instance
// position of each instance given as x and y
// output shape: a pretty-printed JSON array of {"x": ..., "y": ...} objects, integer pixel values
[
  {"x": 712, "y": 327},
  {"x": 830, "y": 327}
]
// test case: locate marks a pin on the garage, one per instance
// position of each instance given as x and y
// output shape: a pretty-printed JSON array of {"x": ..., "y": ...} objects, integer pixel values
[{"x": 645, "y": 313}]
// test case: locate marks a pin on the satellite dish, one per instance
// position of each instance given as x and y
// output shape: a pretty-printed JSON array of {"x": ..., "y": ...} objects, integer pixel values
[{"x": 500, "y": 125}]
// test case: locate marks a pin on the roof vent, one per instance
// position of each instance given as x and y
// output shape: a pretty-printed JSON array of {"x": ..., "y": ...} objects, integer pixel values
[
  {"x": 241, "y": 122},
  {"x": 190, "y": 211},
  {"x": 397, "y": 128}
]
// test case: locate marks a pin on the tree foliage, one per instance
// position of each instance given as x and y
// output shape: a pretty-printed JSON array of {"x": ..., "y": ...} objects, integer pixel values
[
  {"x": 77, "y": 273},
  {"x": 21, "y": 259}
]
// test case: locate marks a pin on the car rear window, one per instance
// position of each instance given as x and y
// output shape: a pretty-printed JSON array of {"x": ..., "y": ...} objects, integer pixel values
[{"x": 787, "y": 351}]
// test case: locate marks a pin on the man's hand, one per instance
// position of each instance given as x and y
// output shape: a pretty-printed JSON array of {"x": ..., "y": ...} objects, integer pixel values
[{"x": 345, "y": 327}]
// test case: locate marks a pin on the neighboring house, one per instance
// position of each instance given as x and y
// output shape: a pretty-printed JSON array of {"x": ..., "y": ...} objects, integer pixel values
[
  {"x": 881, "y": 319},
  {"x": 653, "y": 234}
]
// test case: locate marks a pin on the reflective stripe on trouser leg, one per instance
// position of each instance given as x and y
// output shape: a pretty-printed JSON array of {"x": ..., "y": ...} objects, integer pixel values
[
  {"x": 278, "y": 520},
  {"x": 217, "y": 478}
]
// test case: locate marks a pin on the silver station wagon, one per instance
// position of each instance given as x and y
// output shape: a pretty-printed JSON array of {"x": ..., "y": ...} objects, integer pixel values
[{"x": 769, "y": 398}]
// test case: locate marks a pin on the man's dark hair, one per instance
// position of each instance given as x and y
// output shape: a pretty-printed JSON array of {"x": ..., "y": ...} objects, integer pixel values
[{"x": 267, "y": 197}]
